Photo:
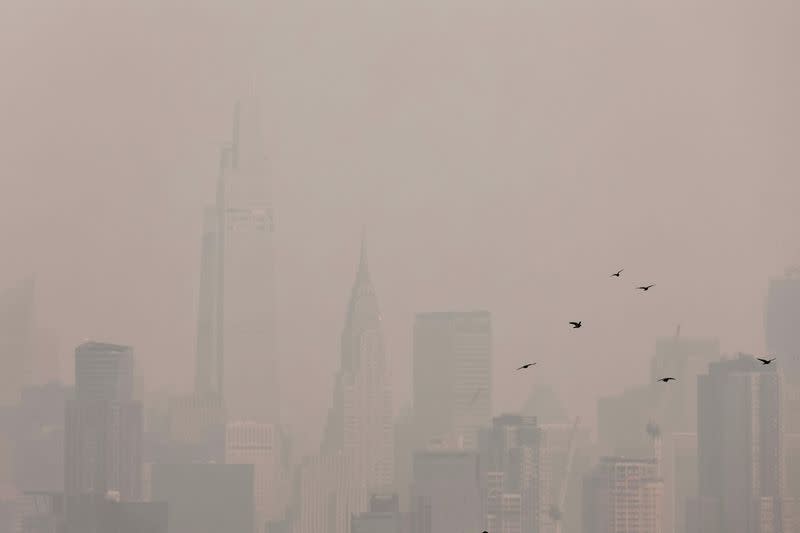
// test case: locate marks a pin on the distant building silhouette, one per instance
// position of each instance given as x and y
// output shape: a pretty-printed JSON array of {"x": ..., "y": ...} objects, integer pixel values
[
  {"x": 206, "y": 498},
  {"x": 740, "y": 451},
  {"x": 103, "y": 426},
  {"x": 16, "y": 340},
  {"x": 452, "y": 374},
  {"x": 360, "y": 421},
  {"x": 446, "y": 492},
  {"x": 37, "y": 432},
  {"x": 236, "y": 346},
  {"x": 516, "y": 474},
  {"x": 196, "y": 429},
  {"x": 328, "y": 494},
  {"x": 623, "y": 495},
  {"x": 261, "y": 445},
  {"x": 557, "y": 441},
  {"x": 782, "y": 323}
]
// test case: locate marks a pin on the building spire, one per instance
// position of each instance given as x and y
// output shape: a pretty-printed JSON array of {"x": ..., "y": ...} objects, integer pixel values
[
  {"x": 363, "y": 267},
  {"x": 248, "y": 142}
]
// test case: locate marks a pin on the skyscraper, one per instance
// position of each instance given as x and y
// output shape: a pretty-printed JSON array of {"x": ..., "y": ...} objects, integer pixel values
[
  {"x": 360, "y": 421},
  {"x": 782, "y": 323},
  {"x": 236, "y": 349},
  {"x": 16, "y": 333},
  {"x": 741, "y": 474},
  {"x": 453, "y": 374},
  {"x": 622, "y": 496},
  {"x": 103, "y": 426}
]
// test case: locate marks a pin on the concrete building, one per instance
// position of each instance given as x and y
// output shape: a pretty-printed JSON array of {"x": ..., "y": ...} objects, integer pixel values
[
  {"x": 452, "y": 374},
  {"x": 261, "y": 445},
  {"x": 741, "y": 471},
  {"x": 196, "y": 429},
  {"x": 623, "y": 496},
  {"x": 517, "y": 477},
  {"x": 446, "y": 492},
  {"x": 103, "y": 426},
  {"x": 327, "y": 495}
]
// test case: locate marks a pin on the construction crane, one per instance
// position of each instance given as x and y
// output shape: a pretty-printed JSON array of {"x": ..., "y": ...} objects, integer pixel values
[{"x": 557, "y": 509}]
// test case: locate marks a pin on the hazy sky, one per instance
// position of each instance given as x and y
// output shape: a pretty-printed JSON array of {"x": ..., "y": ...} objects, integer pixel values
[{"x": 504, "y": 155}]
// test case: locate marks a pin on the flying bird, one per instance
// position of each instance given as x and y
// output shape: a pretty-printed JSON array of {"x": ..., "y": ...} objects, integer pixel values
[
  {"x": 646, "y": 287},
  {"x": 526, "y": 365},
  {"x": 765, "y": 361},
  {"x": 667, "y": 380},
  {"x": 616, "y": 275},
  {"x": 575, "y": 325}
]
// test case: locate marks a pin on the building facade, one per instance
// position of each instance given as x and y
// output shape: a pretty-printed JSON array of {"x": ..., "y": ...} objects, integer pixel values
[
  {"x": 623, "y": 496},
  {"x": 741, "y": 473},
  {"x": 517, "y": 480},
  {"x": 104, "y": 426},
  {"x": 261, "y": 445}
]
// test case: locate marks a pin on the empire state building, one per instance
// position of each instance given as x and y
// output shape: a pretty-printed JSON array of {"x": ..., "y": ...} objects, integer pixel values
[{"x": 236, "y": 348}]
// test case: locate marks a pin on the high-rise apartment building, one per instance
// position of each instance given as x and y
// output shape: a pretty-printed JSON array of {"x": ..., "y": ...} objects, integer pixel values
[
  {"x": 446, "y": 492},
  {"x": 16, "y": 340},
  {"x": 261, "y": 445},
  {"x": 452, "y": 374},
  {"x": 517, "y": 480},
  {"x": 236, "y": 347},
  {"x": 103, "y": 426},
  {"x": 741, "y": 476},
  {"x": 623, "y": 496},
  {"x": 360, "y": 421}
]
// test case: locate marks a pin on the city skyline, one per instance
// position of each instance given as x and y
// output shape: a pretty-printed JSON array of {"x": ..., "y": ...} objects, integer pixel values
[{"x": 574, "y": 306}]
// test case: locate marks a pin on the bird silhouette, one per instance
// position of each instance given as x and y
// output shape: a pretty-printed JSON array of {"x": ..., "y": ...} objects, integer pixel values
[
  {"x": 667, "y": 380},
  {"x": 765, "y": 361},
  {"x": 646, "y": 288},
  {"x": 575, "y": 325},
  {"x": 617, "y": 273},
  {"x": 526, "y": 365}
]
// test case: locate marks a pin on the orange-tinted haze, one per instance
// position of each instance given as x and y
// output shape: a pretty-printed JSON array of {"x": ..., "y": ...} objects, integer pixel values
[{"x": 504, "y": 155}]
